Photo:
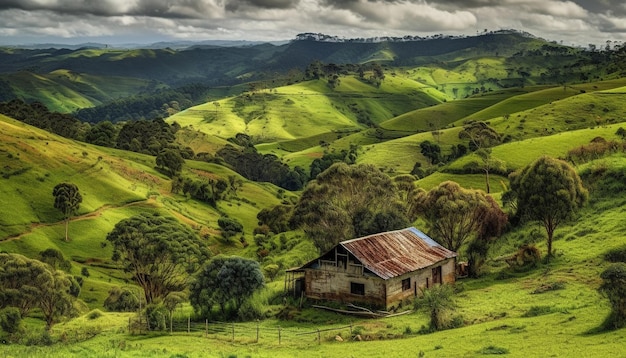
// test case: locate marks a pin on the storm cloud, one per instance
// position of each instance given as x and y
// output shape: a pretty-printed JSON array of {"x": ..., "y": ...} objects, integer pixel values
[{"x": 577, "y": 22}]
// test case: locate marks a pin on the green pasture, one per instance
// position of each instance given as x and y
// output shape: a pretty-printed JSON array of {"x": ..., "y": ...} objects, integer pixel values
[
  {"x": 66, "y": 91},
  {"x": 520, "y": 153},
  {"x": 438, "y": 117}
]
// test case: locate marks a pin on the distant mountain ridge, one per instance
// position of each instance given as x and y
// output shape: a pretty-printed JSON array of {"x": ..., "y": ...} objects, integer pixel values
[{"x": 319, "y": 37}]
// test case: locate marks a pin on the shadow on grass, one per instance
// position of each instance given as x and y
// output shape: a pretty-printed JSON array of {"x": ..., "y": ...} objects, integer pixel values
[{"x": 610, "y": 323}]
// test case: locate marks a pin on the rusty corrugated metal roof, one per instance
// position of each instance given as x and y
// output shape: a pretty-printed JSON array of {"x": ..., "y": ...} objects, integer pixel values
[{"x": 394, "y": 253}]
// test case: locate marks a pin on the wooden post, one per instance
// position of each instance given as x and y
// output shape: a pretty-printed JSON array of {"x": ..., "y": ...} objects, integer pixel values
[
  {"x": 206, "y": 327},
  {"x": 350, "y": 329},
  {"x": 319, "y": 337},
  {"x": 279, "y": 335},
  {"x": 233, "y": 331},
  {"x": 129, "y": 331},
  {"x": 188, "y": 324},
  {"x": 257, "y": 331},
  {"x": 171, "y": 314}
]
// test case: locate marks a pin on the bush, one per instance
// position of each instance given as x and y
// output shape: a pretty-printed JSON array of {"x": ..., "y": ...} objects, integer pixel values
[
  {"x": 10, "y": 319},
  {"x": 94, "y": 314},
  {"x": 493, "y": 350},
  {"x": 156, "y": 314},
  {"x": 535, "y": 311},
  {"x": 84, "y": 271},
  {"x": 526, "y": 257},
  {"x": 616, "y": 255},
  {"x": 614, "y": 288},
  {"x": 229, "y": 226},
  {"x": 121, "y": 300}
]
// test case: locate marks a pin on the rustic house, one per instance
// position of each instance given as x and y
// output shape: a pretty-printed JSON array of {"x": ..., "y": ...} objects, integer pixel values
[{"x": 381, "y": 269}]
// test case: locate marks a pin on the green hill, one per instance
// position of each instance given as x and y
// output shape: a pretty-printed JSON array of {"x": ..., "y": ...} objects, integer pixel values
[{"x": 431, "y": 89}]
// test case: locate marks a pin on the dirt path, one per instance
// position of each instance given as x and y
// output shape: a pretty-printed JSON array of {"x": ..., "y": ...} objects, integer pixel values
[{"x": 150, "y": 202}]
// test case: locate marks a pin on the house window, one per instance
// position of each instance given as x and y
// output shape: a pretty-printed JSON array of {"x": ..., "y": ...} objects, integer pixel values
[
  {"x": 357, "y": 288},
  {"x": 406, "y": 284}
]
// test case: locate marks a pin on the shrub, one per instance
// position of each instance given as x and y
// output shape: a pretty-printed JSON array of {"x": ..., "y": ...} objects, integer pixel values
[
  {"x": 616, "y": 255},
  {"x": 84, "y": 271},
  {"x": 526, "y": 257},
  {"x": 121, "y": 300},
  {"x": 156, "y": 314},
  {"x": 535, "y": 311},
  {"x": 614, "y": 288},
  {"x": 94, "y": 314},
  {"x": 229, "y": 226},
  {"x": 10, "y": 319},
  {"x": 493, "y": 350}
]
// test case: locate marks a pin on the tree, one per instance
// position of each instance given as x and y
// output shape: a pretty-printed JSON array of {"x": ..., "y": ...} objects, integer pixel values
[
  {"x": 614, "y": 288},
  {"x": 225, "y": 280},
  {"x": 158, "y": 252},
  {"x": 333, "y": 207},
  {"x": 55, "y": 259},
  {"x": 480, "y": 135},
  {"x": 173, "y": 300},
  {"x": 103, "y": 134},
  {"x": 54, "y": 299},
  {"x": 437, "y": 301},
  {"x": 456, "y": 215},
  {"x": 238, "y": 279},
  {"x": 548, "y": 190},
  {"x": 26, "y": 284},
  {"x": 432, "y": 151},
  {"x": 487, "y": 164},
  {"x": 67, "y": 199},
  {"x": 170, "y": 160}
]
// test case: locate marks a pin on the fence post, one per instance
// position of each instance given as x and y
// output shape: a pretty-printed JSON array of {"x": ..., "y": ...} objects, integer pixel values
[
  {"x": 233, "y": 331},
  {"x": 319, "y": 337},
  {"x": 279, "y": 335},
  {"x": 206, "y": 327},
  {"x": 350, "y": 329},
  {"x": 129, "y": 331},
  {"x": 188, "y": 324},
  {"x": 257, "y": 331}
]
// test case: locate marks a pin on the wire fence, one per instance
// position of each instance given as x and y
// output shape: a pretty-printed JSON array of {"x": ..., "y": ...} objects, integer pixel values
[{"x": 248, "y": 332}]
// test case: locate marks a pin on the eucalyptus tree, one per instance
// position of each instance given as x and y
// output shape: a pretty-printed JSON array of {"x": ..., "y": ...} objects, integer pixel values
[
  {"x": 67, "y": 199},
  {"x": 487, "y": 164},
  {"x": 345, "y": 201},
  {"x": 480, "y": 135},
  {"x": 459, "y": 217},
  {"x": 158, "y": 252},
  {"x": 27, "y": 284},
  {"x": 547, "y": 190},
  {"x": 456, "y": 215}
]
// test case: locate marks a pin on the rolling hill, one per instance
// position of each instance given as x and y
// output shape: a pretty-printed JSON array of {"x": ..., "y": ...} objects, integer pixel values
[{"x": 431, "y": 89}]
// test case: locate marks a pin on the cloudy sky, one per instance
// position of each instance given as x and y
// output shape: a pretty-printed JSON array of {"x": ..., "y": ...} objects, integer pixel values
[{"x": 575, "y": 22}]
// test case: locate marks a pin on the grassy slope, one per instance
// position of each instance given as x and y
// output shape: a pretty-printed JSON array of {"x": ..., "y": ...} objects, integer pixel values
[
  {"x": 492, "y": 307},
  {"x": 114, "y": 185},
  {"x": 66, "y": 91}
]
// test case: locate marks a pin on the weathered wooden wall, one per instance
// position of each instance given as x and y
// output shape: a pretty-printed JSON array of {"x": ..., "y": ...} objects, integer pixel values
[{"x": 335, "y": 285}]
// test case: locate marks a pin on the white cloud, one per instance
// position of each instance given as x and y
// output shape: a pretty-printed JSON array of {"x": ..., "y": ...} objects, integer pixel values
[{"x": 577, "y": 21}]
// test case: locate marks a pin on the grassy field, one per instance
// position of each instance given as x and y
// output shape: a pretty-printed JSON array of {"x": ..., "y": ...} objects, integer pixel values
[{"x": 501, "y": 313}]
